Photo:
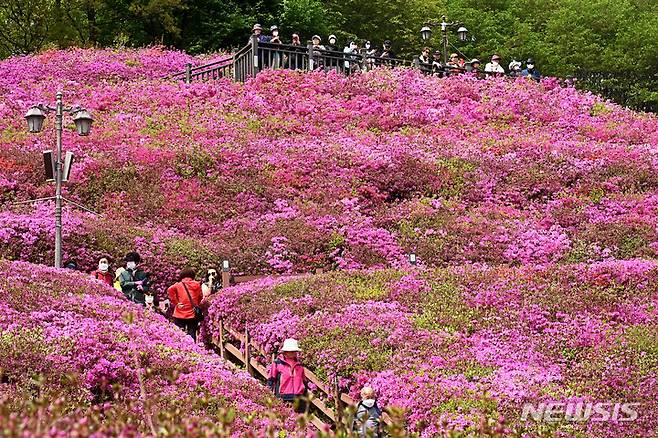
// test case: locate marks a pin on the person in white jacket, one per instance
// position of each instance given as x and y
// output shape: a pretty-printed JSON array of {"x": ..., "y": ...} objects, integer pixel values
[{"x": 494, "y": 66}]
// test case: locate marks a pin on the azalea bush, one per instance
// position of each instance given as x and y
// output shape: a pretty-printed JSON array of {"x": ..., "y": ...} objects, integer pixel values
[
  {"x": 77, "y": 359},
  {"x": 457, "y": 347},
  {"x": 290, "y": 171}
]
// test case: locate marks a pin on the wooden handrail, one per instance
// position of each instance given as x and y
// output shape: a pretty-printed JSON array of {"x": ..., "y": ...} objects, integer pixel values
[
  {"x": 227, "y": 61},
  {"x": 254, "y": 367}
]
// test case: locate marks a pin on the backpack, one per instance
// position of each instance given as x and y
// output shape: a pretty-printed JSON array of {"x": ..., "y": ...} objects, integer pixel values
[{"x": 367, "y": 420}]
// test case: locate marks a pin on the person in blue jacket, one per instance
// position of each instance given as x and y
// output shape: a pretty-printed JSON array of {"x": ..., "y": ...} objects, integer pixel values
[{"x": 531, "y": 71}]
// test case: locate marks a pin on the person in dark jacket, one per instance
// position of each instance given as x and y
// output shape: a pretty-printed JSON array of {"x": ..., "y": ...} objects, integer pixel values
[
  {"x": 437, "y": 66},
  {"x": 367, "y": 421},
  {"x": 258, "y": 32},
  {"x": 387, "y": 56},
  {"x": 425, "y": 61},
  {"x": 184, "y": 296},
  {"x": 531, "y": 71},
  {"x": 332, "y": 60},
  {"x": 103, "y": 272},
  {"x": 286, "y": 376},
  {"x": 134, "y": 281}
]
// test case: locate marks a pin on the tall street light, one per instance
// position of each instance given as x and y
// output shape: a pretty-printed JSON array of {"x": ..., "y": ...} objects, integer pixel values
[
  {"x": 426, "y": 34},
  {"x": 83, "y": 120}
]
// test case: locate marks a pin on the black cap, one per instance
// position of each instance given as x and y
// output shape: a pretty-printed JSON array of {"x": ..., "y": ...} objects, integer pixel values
[{"x": 387, "y": 42}]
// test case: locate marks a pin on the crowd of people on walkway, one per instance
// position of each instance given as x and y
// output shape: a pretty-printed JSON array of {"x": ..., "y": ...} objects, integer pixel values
[
  {"x": 286, "y": 375},
  {"x": 183, "y": 298},
  {"x": 355, "y": 56}
]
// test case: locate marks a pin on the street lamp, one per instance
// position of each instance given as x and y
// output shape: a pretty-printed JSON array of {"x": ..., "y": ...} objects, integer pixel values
[
  {"x": 83, "y": 120},
  {"x": 426, "y": 34},
  {"x": 462, "y": 32},
  {"x": 35, "y": 117}
]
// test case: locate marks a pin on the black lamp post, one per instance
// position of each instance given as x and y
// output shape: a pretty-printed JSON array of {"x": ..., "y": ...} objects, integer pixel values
[
  {"x": 426, "y": 34},
  {"x": 83, "y": 120}
]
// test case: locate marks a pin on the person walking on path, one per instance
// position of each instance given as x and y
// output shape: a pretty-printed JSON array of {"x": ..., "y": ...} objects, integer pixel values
[
  {"x": 211, "y": 283},
  {"x": 134, "y": 281},
  {"x": 367, "y": 421},
  {"x": 103, "y": 272},
  {"x": 185, "y": 296},
  {"x": 286, "y": 376}
]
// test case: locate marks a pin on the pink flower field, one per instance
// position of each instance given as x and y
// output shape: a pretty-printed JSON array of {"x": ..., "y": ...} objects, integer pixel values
[
  {"x": 457, "y": 347},
  {"x": 532, "y": 209},
  {"x": 77, "y": 360}
]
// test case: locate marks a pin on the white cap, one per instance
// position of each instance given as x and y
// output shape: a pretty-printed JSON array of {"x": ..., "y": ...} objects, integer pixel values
[{"x": 290, "y": 345}]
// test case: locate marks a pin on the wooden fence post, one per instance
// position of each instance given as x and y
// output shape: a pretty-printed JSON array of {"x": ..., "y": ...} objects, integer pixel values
[
  {"x": 226, "y": 274},
  {"x": 256, "y": 55},
  {"x": 226, "y": 279},
  {"x": 222, "y": 351},
  {"x": 235, "y": 69},
  {"x": 188, "y": 73},
  {"x": 247, "y": 350},
  {"x": 309, "y": 46},
  {"x": 339, "y": 405}
]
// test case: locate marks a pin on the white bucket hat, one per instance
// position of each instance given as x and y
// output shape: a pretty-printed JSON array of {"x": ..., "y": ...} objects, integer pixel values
[{"x": 290, "y": 345}]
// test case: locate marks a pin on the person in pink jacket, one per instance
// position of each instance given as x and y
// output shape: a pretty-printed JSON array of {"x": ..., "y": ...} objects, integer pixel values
[{"x": 286, "y": 376}]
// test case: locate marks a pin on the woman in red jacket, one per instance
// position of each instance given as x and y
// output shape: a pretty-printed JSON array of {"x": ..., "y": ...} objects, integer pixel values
[
  {"x": 103, "y": 272},
  {"x": 184, "y": 296},
  {"x": 286, "y": 376}
]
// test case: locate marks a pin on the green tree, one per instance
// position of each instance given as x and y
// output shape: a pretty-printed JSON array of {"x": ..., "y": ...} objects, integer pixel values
[
  {"x": 24, "y": 25},
  {"x": 306, "y": 17},
  {"x": 397, "y": 20}
]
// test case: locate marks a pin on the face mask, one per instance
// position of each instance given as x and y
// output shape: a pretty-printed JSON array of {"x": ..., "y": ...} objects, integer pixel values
[
  {"x": 131, "y": 265},
  {"x": 531, "y": 66},
  {"x": 103, "y": 267},
  {"x": 275, "y": 33},
  {"x": 148, "y": 299},
  {"x": 367, "y": 45}
]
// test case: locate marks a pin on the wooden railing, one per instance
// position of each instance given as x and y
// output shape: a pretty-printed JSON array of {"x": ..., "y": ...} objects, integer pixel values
[
  {"x": 256, "y": 56},
  {"x": 248, "y": 358},
  {"x": 215, "y": 70}
]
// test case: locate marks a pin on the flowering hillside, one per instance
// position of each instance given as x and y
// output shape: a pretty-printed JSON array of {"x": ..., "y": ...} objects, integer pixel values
[
  {"x": 76, "y": 359},
  {"x": 532, "y": 209},
  {"x": 294, "y": 171},
  {"x": 455, "y": 347}
]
